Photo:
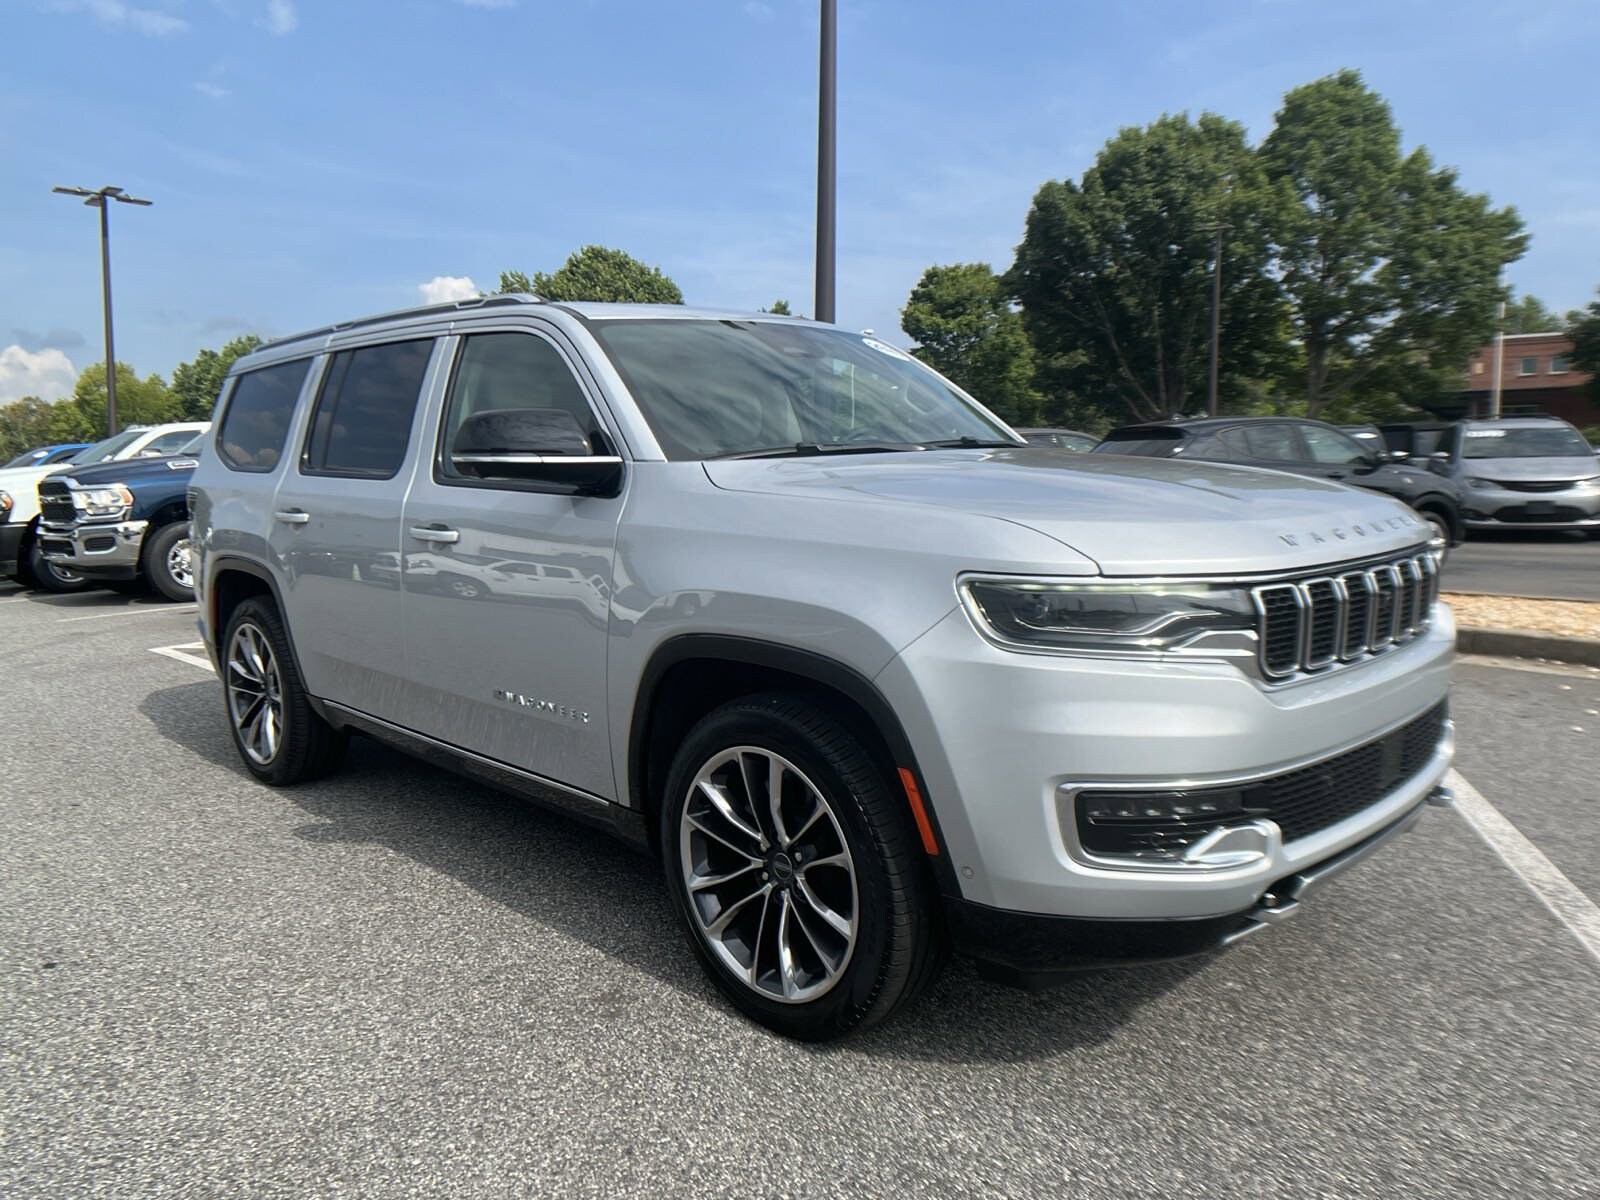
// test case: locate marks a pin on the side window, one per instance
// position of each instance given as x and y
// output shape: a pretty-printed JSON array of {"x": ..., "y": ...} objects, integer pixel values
[
  {"x": 256, "y": 421},
  {"x": 1271, "y": 441},
  {"x": 169, "y": 443},
  {"x": 511, "y": 370},
  {"x": 1330, "y": 447},
  {"x": 362, "y": 423}
]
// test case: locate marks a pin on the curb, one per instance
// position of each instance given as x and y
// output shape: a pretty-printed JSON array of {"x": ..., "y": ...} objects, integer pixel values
[{"x": 1523, "y": 643}]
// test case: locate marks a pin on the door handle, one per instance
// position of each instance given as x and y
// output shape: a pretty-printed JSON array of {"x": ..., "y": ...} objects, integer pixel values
[
  {"x": 293, "y": 516},
  {"x": 434, "y": 533}
]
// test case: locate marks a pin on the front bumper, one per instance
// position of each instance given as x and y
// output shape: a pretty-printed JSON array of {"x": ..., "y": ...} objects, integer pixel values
[
  {"x": 1025, "y": 950},
  {"x": 1000, "y": 737},
  {"x": 108, "y": 550},
  {"x": 1575, "y": 507},
  {"x": 10, "y": 547}
]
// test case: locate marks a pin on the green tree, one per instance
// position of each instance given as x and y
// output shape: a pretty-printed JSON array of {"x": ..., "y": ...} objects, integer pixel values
[
  {"x": 598, "y": 273},
  {"x": 966, "y": 329},
  {"x": 1583, "y": 327},
  {"x": 1529, "y": 315},
  {"x": 82, "y": 416},
  {"x": 195, "y": 384},
  {"x": 781, "y": 307},
  {"x": 1114, "y": 272},
  {"x": 24, "y": 424},
  {"x": 1390, "y": 269}
]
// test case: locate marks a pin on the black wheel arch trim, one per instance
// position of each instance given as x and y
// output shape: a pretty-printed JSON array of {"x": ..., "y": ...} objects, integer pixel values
[
  {"x": 807, "y": 664},
  {"x": 221, "y": 564},
  {"x": 1451, "y": 511}
]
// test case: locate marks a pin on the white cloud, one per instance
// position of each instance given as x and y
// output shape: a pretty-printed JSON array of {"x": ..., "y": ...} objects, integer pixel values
[
  {"x": 49, "y": 374},
  {"x": 443, "y": 288},
  {"x": 215, "y": 90},
  {"x": 116, "y": 14},
  {"x": 281, "y": 17}
]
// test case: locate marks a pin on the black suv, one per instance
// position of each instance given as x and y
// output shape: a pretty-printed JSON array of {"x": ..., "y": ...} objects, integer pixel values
[{"x": 1303, "y": 447}]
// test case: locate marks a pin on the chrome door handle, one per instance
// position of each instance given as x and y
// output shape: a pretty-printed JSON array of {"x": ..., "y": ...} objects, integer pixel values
[
  {"x": 293, "y": 516},
  {"x": 434, "y": 533}
]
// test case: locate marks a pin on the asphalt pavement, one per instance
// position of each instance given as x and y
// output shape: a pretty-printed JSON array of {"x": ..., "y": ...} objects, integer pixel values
[
  {"x": 399, "y": 983},
  {"x": 1559, "y": 566}
]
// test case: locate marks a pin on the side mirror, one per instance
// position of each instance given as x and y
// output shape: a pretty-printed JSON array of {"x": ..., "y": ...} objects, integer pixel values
[
  {"x": 538, "y": 446},
  {"x": 1399, "y": 455}
]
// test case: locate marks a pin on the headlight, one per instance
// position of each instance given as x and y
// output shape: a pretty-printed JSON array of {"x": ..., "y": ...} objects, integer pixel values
[
  {"x": 5, "y": 506},
  {"x": 1142, "y": 618},
  {"x": 102, "y": 502}
]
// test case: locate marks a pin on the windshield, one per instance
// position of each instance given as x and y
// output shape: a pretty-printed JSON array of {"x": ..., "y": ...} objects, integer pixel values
[
  {"x": 712, "y": 388},
  {"x": 107, "y": 450},
  {"x": 27, "y": 458},
  {"x": 194, "y": 445},
  {"x": 1147, "y": 443},
  {"x": 1555, "y": 441}
]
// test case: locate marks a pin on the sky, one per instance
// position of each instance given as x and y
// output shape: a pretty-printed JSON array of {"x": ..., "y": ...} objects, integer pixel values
[{"x": 316, "y": 160}]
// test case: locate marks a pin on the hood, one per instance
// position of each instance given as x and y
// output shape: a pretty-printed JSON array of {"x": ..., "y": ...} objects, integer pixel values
[
  {"x": 1132, "y": 516},
  {"x": 131, "y": 470},
  {"x": 1566, "y": 468}
]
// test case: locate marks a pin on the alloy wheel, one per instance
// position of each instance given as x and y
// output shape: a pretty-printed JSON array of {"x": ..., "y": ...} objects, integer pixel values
[
  {"x": 255, "y": 693},
  {"x": 180, "y": 563},
  {"x": 770, "y": 880}
]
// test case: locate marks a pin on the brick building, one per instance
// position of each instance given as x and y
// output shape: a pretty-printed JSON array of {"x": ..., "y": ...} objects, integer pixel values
[{"x": 1536, "y": 375}]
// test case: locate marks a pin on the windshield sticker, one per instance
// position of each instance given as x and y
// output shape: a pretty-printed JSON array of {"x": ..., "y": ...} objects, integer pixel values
[
  {"x": 883, "y": 348},
  {"x": 1486, "y": 433}
]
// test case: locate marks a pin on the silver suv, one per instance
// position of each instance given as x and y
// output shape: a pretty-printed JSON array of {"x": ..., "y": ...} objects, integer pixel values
[{"x": 874, "y": 678}]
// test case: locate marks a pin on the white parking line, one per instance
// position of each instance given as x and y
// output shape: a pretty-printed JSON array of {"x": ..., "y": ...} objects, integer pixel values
[
  {"x": 192, "y": 653},
  {"x": 142, "y": 611},
  {"x": 1559, "y": 894}
]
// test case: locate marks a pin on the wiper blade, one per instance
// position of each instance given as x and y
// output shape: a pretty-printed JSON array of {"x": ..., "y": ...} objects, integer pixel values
[
  {"x": 970, "y": 443},
  {"x": 812, "y": 449}
]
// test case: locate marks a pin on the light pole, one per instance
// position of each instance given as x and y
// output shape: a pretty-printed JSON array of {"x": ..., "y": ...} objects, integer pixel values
[
  {"x": 827, "y": 111},
  {"x": 1216, "y": 316},
  {"x": 97, "y": 198}
]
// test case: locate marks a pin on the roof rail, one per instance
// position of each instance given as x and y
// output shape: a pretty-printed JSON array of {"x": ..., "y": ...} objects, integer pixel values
[{"x": 398, "y": 314}]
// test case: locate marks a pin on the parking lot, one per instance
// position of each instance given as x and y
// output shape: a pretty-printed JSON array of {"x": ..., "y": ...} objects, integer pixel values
[
  {"x": 397, "y": 982},
  {"x": 1556, "y": 566}
]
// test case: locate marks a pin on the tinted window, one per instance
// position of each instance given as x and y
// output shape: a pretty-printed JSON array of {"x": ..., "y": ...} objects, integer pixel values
[
  {"x": 1150, "y": 443},
  {"x": 61, "y": 455},
  {"x": 1269, "y": 441},
  {"x": 362, "y": 424},
  {"x": 107, "y": 450},
  {"x": 256, "y": 421},
  {"x": 1330, "y": 447},
  {"x": 1556, "y": 440},
  {"x": 512, "y": 370}
]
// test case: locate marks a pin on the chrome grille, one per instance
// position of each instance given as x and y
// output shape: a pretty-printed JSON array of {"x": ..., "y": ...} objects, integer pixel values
[
  {"x": 55, "y": 503},
  {"x": 1314, "y": 623}
]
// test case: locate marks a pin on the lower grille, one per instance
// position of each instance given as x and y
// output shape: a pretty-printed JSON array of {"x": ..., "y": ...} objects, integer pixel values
[
  {"x": 1160, "y": 825},
  {"x": 1515, "y": 514},
  {"x": 1529, "y": 485}
]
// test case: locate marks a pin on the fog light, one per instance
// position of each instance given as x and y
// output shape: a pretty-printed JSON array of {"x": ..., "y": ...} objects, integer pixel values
[{"x": 1141, "y": 807}]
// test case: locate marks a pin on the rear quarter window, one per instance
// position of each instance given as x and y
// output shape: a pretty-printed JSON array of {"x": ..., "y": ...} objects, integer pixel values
[{"x": 256, "y": 424}]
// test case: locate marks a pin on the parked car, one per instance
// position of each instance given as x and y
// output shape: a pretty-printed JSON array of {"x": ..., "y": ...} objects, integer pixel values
[
  {"x": 1061, "y": 439},
  {"x": 122, "y": 522},
  {"x": 44, "y": 456},
  {"x": 20, "y": 557},
  {"x": 937, "y": 687},
  {"x": 1311, "y": 448},
  {"x": 1522, "y": 473}
]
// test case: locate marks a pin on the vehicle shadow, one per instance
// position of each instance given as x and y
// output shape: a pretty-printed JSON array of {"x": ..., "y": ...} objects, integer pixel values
[{"x": 585, "y": 885}]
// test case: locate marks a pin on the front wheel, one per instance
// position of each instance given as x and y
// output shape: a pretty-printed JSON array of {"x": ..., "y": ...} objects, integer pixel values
[
  {"x": 169, "y": 561},
  {"x": 49, "y": 577},
  {"x": 793, "y": 865},
  {"x": 1441, "y": 533}
]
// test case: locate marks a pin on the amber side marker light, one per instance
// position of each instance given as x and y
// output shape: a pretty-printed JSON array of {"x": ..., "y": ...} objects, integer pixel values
[{"x": 918, "y": 812}]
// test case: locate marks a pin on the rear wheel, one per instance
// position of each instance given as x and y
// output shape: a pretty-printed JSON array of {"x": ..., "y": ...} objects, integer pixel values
[
  {"x": 277, "y": 733},
  {"x": 169, "y": 561},
  {"x": 792, "y": 864}
]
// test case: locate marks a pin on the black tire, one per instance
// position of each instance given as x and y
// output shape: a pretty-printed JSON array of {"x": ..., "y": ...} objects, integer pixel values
[
  {"x": 161, "y": 547},
  {"x": 307, "y": 747},
  {"x": 899, "y": 942},
  {"x": 48, "y": 577},
  {"x": 461, "y": 587}
]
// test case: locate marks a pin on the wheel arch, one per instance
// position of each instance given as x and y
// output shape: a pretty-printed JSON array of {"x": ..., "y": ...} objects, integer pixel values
[
  {"x": 230, "y": 581},
  {"x": 1441, "y": 505},
  {"x": 690, "y": 675}
]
